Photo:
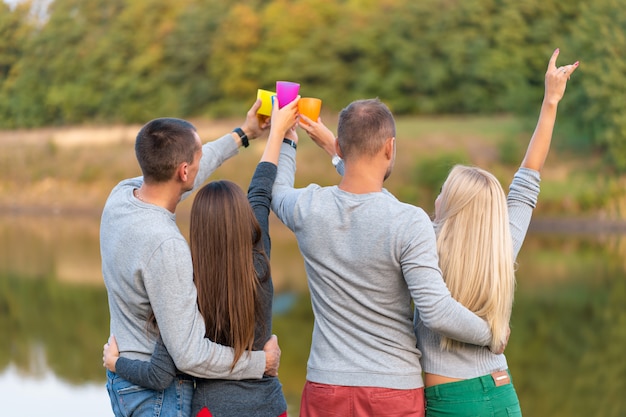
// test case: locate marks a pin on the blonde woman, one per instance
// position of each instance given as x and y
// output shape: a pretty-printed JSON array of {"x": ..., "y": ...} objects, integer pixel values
[{"x": 479, "y": 234}]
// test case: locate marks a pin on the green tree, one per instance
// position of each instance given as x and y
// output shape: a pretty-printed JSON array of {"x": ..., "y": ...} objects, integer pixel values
[
  {"x": 72, "y": 33},
  {"x": 54, "y": 81},
  {"x": 12, "y": 34},
  {"x": 132, "y": 56},
  {"x": 14, "y": 31},
  {"x": 117, "y": 61},
  {"x": 230, "y": 68},
  {"x": 299, "y": 42},
  {"x": 187, "y": 56},
  {"x": 600, "y": 101}
]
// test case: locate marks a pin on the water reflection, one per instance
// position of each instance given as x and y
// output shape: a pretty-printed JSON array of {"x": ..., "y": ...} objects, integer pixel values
[
  {"x": 48, "y": 395},
  {"x": 569, "y": 326},
  {"x": 565, "y": 353}
]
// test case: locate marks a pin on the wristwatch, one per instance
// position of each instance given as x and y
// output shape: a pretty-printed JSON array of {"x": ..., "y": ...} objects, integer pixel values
[
  {"x": 291, "y": 143},
  {"x": 335, "y": 160},
  {"x": 242, "y": 135}
]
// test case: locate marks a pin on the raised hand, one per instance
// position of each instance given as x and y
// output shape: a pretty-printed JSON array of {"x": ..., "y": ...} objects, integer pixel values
[
  {"x": 556, "y": 81},
  {"x": 556, "y": 78},
  {"x": 319, "y": 133},
  {"x": 253, "y": 127}
]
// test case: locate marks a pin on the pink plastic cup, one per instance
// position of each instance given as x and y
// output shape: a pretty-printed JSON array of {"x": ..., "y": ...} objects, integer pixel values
[{"x": 286, "y": 92}]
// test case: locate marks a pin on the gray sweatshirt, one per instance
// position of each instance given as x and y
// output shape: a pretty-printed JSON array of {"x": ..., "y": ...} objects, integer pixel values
[
  {"x": 367, "y": 256},
  {"x": 256, "y": 397},
  {"x": 146, "y": 265},
  {"x": 470, "y": 361}
]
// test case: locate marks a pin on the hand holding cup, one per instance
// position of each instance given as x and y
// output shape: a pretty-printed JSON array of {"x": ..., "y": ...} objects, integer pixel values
[
  {"x": 265, "y": 111},
  {"x": 319, "y": 133},
  {"x": 310, "y": 107}
]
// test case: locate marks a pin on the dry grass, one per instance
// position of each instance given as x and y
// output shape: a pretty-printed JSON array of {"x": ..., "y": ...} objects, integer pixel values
[{"x": 72, "y": 169}]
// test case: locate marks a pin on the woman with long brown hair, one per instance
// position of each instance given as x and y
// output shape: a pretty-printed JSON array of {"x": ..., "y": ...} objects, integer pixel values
[{"x": 230, "y": 247}]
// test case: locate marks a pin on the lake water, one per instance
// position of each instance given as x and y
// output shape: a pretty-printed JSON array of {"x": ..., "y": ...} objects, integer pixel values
[{"x": 565, "y": 352}]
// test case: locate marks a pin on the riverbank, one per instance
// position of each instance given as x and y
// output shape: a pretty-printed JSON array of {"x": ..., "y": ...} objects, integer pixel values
[
  {"x": 577, "y": 226},
  {"x": 69, "y": 171},
  {"x": 572, "y": 225}
]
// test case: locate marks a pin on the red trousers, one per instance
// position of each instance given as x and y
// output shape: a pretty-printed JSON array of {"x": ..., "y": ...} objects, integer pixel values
[{"x": 321, "y": 400}]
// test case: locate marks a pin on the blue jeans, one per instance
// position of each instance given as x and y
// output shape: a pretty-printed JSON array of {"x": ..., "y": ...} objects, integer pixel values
[{"x": 128, "y": 399}]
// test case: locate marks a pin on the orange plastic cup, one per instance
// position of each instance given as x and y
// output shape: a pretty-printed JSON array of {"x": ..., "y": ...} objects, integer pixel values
[{"x": 310, "y": 107}]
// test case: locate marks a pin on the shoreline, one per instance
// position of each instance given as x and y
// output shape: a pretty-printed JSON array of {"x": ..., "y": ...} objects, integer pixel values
[
  {"x": 577, "y": 226},
  {"x": 539, "y": 224}
]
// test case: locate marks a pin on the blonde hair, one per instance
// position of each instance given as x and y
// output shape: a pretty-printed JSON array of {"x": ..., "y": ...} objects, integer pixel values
[{"x": 475, "y": 248}]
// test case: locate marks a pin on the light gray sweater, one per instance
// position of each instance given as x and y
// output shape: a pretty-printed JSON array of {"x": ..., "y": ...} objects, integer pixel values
[
  {"x": 366, "y": 257},
  {"x": 146, "y": 265},
  {"x": 255, "y": 397},
  {"x": 472, "y": 361}
]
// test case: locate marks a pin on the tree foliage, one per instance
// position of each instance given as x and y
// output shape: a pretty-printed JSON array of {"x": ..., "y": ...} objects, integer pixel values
[
  {"x": 600, "y": 102},
  {"x": 117, "y": 61}
]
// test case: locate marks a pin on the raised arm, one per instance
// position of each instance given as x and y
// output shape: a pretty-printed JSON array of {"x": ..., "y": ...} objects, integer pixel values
[
  {"x": 524, "y": 189},
  {"x": 324, "y": 138},
  {"x": 260, "y": 189},
  {"x": 282, "y": 127},
  {"x": 252, "y": 127},
  {"x": 555, "y": 83},
  {"x": 216, "y": 152},
  {"x": 320, "y": 134}
]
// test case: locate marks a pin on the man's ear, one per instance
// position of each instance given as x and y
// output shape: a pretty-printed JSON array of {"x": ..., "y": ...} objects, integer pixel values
[
  {"x": 389, "y": 147},
  {"x": 182, "y": 171},
  {"x": 338, "y": 149}
]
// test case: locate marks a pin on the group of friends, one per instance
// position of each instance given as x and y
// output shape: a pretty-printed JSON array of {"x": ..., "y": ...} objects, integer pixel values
[{"x": 411, "y": 314}]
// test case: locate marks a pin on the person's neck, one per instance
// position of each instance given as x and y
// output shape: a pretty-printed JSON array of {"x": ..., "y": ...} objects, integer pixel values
[
  {"x": 362, "y": 178},
  {"x": 162, "y": 195}
]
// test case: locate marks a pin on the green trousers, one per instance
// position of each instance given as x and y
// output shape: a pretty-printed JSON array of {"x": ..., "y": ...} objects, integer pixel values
[{"x": 476, "y": 397}]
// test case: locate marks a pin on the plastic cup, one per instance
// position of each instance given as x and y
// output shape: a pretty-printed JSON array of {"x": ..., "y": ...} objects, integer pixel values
[
  {"x": 286, "y": 92},
  {"x": 266, "y": 102},
  {"x": 310, "y": 107}
]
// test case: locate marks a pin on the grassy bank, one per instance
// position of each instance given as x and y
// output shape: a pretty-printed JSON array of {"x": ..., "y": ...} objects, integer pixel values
[{"x": 71, "y": 170}]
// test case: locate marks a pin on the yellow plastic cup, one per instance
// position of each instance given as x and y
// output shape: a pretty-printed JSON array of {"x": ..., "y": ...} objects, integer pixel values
[
  {"x": 310, "y": 107},
  {"x": 266, "y": 102}
]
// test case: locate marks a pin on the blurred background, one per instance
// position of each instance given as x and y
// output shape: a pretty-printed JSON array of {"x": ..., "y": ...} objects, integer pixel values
[{"x": 465, "y": 79}]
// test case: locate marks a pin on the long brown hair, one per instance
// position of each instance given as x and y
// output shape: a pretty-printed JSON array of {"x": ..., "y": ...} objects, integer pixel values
[{"x": 224, "y": 235}]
